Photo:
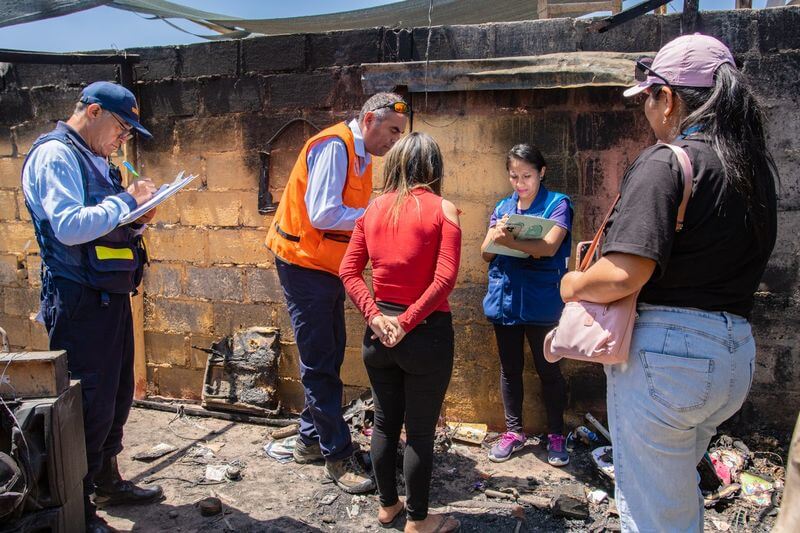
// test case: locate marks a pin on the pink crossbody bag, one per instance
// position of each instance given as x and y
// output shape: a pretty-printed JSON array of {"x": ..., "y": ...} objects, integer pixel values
[{"x": 601, "y": 333}]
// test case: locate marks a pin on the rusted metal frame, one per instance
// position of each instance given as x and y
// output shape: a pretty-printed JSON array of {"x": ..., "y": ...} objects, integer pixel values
[{"x": 265, "y": 204}]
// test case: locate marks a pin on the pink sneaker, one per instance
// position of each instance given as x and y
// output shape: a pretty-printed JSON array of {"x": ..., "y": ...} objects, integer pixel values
[
  {"x": 557, "y": 454},
  {"x": 509, "y": 443}
]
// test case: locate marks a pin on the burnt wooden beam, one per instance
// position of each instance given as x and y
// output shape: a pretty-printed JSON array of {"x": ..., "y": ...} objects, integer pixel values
[{"x": 47, "y": 58}]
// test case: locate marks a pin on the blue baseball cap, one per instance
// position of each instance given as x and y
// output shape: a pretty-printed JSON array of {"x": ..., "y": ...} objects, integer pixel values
[{"x": 117, "y": 99}]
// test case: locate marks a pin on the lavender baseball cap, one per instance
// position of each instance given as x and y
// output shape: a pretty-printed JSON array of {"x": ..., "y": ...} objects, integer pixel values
[{"x": 688, "y": 61}]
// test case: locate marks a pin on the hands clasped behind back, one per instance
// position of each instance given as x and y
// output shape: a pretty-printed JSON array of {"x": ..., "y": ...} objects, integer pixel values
[{"x": 387, "y": 329}]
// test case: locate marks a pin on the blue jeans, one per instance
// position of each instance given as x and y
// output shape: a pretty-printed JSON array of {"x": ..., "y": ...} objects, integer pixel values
[
  {"x": 688, "y": 371},
  {"x": 316, "y": 307}
]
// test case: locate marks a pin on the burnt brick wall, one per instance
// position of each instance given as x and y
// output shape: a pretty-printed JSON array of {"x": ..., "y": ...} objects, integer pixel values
[{"x": 212, "y": 107}]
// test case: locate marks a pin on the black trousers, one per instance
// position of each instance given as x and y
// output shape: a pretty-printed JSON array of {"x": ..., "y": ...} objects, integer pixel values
[
  {"x": 409, "y": 383},
  {"x": 96, "y": 330},
  {"x": 510, "y": 345}
]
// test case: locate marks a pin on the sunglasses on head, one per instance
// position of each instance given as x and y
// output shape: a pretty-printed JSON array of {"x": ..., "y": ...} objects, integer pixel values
[
  {"x": 643, "y": 67},
  {"x": 398, "y": 107}
]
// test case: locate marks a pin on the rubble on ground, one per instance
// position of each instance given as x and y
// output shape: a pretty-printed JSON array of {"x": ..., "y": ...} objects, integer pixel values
[{"x": 523, "y": 494}]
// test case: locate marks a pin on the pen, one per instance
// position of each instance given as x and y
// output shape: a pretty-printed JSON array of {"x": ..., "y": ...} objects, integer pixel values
[{"x": 131, "y": 169}]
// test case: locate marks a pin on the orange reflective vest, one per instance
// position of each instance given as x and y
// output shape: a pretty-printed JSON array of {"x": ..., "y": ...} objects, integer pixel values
[{"x": 291, "y": 236}]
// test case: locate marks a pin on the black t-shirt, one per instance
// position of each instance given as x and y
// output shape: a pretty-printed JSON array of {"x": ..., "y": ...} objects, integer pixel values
[{"x": 716, "y": 262}]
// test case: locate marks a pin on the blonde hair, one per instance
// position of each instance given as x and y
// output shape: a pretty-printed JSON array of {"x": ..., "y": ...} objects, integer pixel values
[{"x": 414, "y": 162}]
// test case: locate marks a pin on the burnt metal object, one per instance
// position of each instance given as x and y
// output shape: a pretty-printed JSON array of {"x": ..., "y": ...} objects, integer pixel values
[
  {"x": 242, "y": 372},
  {"x": 603, "y": 25},
  {"x": 265, "y": 204}
]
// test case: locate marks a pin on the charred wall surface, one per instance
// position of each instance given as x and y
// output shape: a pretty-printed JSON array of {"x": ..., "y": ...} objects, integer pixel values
[{"x": 212, "y": 107}]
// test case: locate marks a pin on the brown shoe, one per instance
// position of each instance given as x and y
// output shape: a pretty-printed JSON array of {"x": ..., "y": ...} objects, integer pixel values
[
  {"x": 306, "y": 453},
  {"x": 349, "y": 475}
]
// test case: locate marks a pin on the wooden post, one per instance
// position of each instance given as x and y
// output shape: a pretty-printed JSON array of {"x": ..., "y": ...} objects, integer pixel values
[
  {"x": 543, "y": 11},
  {"x": 744, "y": 4},
  {"x": 137, "y": 301},
  {"x": 137, "y": 311},
  {"x": 689, "y": 16}
]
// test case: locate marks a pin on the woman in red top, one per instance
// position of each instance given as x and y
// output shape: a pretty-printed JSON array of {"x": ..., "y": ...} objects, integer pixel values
[{"x": 413, "y": 239}]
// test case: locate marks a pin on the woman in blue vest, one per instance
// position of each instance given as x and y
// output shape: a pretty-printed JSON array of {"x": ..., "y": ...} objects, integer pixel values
[{"x": 523, "y": 298}]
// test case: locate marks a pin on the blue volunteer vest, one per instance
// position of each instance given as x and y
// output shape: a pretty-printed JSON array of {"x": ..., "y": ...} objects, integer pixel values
[
  {"x": 526, "y": 290},
  {"x": 112, "y": 263}
]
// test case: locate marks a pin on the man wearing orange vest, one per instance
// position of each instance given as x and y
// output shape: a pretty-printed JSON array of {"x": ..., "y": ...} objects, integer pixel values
[{"x": 328, "y": 189}]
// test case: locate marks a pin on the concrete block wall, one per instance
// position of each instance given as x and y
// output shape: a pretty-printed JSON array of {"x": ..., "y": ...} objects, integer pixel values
[{"x": 213, "y": 106}]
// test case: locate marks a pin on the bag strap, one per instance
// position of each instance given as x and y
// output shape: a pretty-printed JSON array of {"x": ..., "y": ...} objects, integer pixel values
[
  {"x": 587, "y": 258},
  {"x": 688, "y": 175}
]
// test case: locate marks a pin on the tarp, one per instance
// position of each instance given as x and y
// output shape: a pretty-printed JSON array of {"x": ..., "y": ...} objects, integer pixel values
[{"x": 406, "y": 14}]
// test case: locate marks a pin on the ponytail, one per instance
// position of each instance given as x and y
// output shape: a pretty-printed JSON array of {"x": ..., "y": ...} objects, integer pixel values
[{"x": 732, "y": 118}]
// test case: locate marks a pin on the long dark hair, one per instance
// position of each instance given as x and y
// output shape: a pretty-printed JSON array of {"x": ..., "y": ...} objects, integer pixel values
[
  {"x": 415, "y": 161},
  {"x": 732, "y": 117}
]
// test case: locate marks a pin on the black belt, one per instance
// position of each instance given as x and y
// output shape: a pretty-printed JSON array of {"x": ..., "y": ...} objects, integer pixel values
[
  {"x": 338, "y": 237},
  {"x": 288, "y": 237}
]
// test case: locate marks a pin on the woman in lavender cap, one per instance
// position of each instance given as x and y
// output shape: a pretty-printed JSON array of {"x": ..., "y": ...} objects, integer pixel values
[{"x": 692, "y": 353}]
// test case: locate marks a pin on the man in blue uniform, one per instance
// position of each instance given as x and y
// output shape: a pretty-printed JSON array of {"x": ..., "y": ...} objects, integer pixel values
[{"x": 90, "y": 265}]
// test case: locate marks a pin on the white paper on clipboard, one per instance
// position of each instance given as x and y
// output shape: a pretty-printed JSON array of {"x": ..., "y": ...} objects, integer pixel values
[
  {"x": 164, "y": 192},
  {"x": 522, "y": 227}
]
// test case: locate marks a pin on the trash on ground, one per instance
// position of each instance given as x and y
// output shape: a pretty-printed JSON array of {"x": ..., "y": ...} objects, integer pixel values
[
  {"x": 159, "y": 450},
  {"x": 598, "y": 426},
  {"x": 604, "y": 461},
  {"x": 233, "y": 472},
  {"x": 597, "y": 496},
  {"x": 281, "y": 450},
  {"x": 215, "y": 472},
  {"x": 587, "y": 436},
  {"x": 353, "y": 510},
  {"x": 360, "y": 412},
  {"x": 466, "y": 432},
  {"x": 727, "y": 463},
  {"x": 756, "y": 489},
  {"x": 709, "y": 480},
  {"x": 210, "y": 506},
  {"x": 329, "y": 498},
  {"x": 725, "y": 492},
  {"x": 204, "y": 452}
]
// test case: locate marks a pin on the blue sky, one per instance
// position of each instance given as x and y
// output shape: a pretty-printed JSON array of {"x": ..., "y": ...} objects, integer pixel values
[{"x": 105, "y": 27}]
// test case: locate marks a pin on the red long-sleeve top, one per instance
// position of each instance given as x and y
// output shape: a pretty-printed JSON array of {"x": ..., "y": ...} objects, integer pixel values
[{"x": 414, "y": 262}]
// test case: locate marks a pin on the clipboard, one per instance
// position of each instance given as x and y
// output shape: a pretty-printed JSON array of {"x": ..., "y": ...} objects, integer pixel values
[
  {"x": 163, "y": 193},
  {"x": 522, "y": 227}
]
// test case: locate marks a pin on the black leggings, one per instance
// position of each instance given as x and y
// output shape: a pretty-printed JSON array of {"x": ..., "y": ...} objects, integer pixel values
[
  {"x": 409, "y": 382},
  {"x": 510, "y": 345}
]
